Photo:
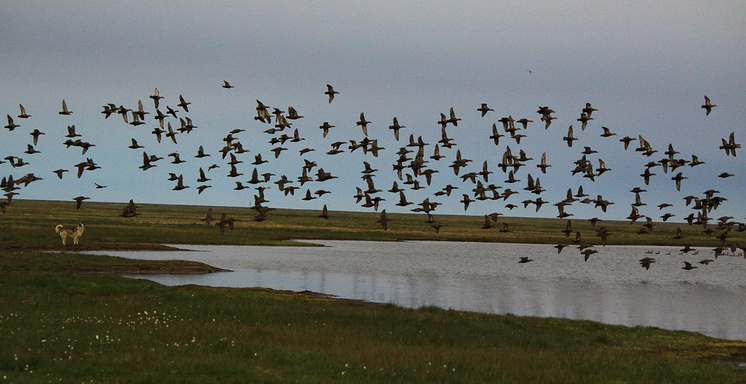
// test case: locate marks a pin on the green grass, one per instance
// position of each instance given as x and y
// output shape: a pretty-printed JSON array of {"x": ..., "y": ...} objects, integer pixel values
[
  {"x": 30, "y": 224},
  {"x": 60, "y": 322}
]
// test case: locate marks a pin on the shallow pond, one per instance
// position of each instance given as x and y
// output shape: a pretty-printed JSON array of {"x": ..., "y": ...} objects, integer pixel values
[{"x": 611, "y": 287}]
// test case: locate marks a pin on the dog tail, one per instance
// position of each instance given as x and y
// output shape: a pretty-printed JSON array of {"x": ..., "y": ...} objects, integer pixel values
[{"x": 58, "y": 228}]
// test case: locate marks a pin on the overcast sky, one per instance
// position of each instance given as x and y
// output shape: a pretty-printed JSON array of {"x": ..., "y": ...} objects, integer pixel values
[{"x": 645, "y": 66}]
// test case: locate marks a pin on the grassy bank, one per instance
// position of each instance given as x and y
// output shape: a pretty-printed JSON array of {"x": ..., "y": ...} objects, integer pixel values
[
  {"x": 31, "y": 224},
  {"x": 62, "y": 319}
]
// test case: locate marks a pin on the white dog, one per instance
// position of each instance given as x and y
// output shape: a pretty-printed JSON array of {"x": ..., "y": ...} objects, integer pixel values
[{"x": 75, "y": 233}]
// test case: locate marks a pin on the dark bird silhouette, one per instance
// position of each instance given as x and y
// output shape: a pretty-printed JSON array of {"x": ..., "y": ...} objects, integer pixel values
[
  {"x": 589, "y": 109},
  {"x": 224, "y": 222},
  {"x": 23, "y": 114},
  {"x": 180, "y": 184},
  {"x": 543, "y": 164},
  {"x": 708, "y": 106},
  {"x": 587, "y": 253},
  {"x": 607, "y": 132},
  {"x": 584, "y": 118},
  {"x": 384, "y": 220},
  {"x": 730, "y": 146},
  {"x": 688, "y": 266},
  {"x": 134, "y": 144},
  {"x": 64, "y": 110},
  {"x": 466, "y": 200},
  {"x": 330, "y": 92},
  {"x": 325, "y": 127},
  {"x": 484, "y": 109},
  {"x": 293, "y": 114},
  {"x": 524, "y": 259},
  {"x": 324, "y": 212},
  {"x": 130, "y": 210},
  {"x": 646, "y": 262},
  {"x": 60, "y": 172},
  {"x": 79, "y": 201},
  {"x": 452, "y": 118},
  {"x": 156, "y": 96},
  {"x": 227, "y": 85},
  {"x": 626, "y": 140},
  {"x": 678, "y": 179},
  {"x": 146, "y": 162},
  {"x": 11, "y": 125},
  {"x": 183, "y": 104},
  {"x": 35, "y": 135},
  {"x": 363, "y": 124},
  {"x": 495, "y": 135},
  {"x": 569, "y": 138},
  {"x": 395, "y": 126}
]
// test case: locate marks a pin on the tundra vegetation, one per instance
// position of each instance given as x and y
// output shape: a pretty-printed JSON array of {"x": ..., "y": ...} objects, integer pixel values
[{"x": 66, "y": 317}]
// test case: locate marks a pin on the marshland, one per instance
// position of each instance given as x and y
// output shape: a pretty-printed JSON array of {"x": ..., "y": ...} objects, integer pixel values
[{"x": 68, "y": 316}]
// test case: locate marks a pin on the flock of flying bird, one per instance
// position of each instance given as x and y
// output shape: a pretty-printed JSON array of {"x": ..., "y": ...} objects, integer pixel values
[{"x": 413, "y": 167}]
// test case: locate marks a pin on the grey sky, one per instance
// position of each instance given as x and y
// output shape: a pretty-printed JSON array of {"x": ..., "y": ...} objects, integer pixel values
[{"x": 645, "y": 65}]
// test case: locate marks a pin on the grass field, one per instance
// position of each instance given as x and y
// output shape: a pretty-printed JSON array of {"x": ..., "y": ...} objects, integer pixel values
[
  {"x": 67, "y": 318},
  {"x": 30, "y": 224}
]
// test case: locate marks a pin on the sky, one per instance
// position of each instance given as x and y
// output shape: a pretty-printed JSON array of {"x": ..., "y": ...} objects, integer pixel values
[{"x": 646, "y": 67}]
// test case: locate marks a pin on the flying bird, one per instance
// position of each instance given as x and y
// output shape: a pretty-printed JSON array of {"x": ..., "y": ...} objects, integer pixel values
[
  {"x": 331, "y": 92},
  {"x": 79, "y": 201},
  {"x": 728, "y": 146},
  {"x": 484, "y": 109},
  {"x": 23, "y": 114},
  {"x": 363, "y": 124},
  {"x": 65, "y": 111},
  {"x": 384, "y": 220},
  {"x": 396, "y": 127},
  {"x": 708, "y": 106},
  {"x": 182, "y": 103},
  {"x": 11, "y": 125},
  {"x": 646, "y": 262}
]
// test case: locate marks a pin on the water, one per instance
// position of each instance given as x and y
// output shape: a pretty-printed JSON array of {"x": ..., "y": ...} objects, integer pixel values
[{"x": 611, "y": 287}]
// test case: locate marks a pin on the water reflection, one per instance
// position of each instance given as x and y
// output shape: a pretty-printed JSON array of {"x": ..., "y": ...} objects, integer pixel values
[{"x": 611, "y": 287}]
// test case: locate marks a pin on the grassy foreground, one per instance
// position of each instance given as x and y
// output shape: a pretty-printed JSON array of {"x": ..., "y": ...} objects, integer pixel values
[{"x": 59, "y": 322}]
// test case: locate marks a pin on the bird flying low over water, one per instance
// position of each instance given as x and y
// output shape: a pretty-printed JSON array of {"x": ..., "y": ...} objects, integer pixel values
[
  {"x": 688, "y": 266},
  {"x": 646, "y": 262}
]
